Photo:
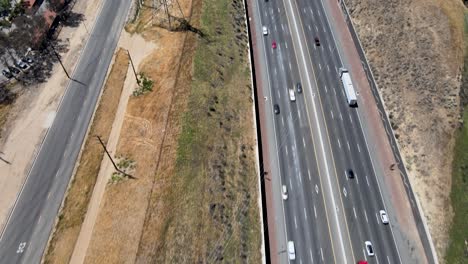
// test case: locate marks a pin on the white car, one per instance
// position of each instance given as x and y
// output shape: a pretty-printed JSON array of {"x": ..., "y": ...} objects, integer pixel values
[
  {"x": 284, "y": 192},
  {"x": 265, "y": 30},
  {"x": 369, "y": 249},
  {"x": 21, "y": 64},
  {"x": 383, "y": 217},
  {"x": 292, "y": 95},
  {"x": 291, "y": 250}
]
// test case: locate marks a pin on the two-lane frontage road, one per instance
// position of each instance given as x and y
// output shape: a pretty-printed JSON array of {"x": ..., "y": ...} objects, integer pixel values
[{"x": 27, "y": 230}]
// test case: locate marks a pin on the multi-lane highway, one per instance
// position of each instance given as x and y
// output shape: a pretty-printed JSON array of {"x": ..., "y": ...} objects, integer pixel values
[
  {"x": 316, "y": 139},
  {"x": 25, "y": 236}
]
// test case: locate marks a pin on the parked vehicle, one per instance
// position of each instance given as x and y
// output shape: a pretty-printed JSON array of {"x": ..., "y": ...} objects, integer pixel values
[
  {"x": 14, "y": 70},
  {"x": 348, "y": 87},
  {"x": 7, "y": 74},
  {"x": 21, "y": 64},
  {"x": 27, "y": 60}
]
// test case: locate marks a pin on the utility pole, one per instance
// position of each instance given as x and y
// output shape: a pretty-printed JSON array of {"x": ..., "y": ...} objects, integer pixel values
[
  {"x": 58, "y": 58},
  {"x": 133, "y": 67},
  {"x": 113, "y": 163}
]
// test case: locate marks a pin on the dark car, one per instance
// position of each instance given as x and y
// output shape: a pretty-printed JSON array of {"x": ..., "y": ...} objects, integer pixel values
[
  {"x": 7, "y": 74},
  {"x": 276, "y": 109},
  {"x": 27, "y": 60},
  {"x": 299, "y": 88},
  {"x": 317, "y": 41},
  {"x": 350, "y": 173},
  {"x": 14, "y": 70}
]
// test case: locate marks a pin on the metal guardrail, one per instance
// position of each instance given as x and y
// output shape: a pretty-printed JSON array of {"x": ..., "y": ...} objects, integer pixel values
[{"x": 417, "y": 213}]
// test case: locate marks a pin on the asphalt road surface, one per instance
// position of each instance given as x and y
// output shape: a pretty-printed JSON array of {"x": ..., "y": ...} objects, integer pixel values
[
  {"x": 316, "y": 139},
  {"x": 28, "y": 228}
]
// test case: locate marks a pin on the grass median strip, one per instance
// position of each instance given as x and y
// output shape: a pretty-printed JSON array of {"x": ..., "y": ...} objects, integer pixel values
[
  {"x": 81, "y": 188},
  {"x": 213, "y": 194}
]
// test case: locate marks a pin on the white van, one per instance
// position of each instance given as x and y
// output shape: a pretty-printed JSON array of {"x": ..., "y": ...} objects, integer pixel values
[
  {"x": 291, "y": 250},
  {"x": 292, "y": 95}
]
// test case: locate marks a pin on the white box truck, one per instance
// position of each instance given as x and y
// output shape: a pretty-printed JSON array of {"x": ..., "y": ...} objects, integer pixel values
[{"x": 348, "y": 87}]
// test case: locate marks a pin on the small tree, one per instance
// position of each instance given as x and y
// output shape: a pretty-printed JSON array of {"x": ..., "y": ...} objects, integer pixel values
[{"x": 5, "y": 5}]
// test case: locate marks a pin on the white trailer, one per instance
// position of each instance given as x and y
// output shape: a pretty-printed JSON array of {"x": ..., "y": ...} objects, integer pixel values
[{"x": 348, "y": 87}]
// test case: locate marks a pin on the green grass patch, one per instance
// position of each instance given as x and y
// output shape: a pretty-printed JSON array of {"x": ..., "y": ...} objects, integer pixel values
[
  {"x": 214, "y": 193},
  {"x": 145, "y": 85},
  {"x": 457, "y": 251}
]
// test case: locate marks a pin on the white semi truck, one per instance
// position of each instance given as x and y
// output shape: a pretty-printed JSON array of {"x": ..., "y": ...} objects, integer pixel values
[{"x": 348, "y": 87}]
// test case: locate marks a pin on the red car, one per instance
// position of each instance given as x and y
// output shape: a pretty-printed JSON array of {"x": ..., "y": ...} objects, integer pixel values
[
  {"x": 273, "y": 44},
  {"x": 362, "y": 262}
]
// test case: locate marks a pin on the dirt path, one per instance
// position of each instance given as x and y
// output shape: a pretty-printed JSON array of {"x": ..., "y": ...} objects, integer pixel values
[
  {"x": 120, "y": 219},
  {"x": 33, "y": 113},
  {"x": 139, "y": 49}
]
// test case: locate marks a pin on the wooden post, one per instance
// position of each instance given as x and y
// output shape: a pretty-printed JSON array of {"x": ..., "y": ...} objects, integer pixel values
[{"x": 113, "y": 163}]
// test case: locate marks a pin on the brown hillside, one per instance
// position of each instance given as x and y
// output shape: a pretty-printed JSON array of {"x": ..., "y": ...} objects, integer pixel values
[{"x": 415, "y": 51}]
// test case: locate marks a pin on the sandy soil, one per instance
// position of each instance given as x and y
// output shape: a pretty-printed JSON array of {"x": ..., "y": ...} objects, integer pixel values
[
  {"x": 33, "y": 112},
  {"x": 139, "y": 49},
  {"x": 78, "y": 195},
  {"x": 119, "y": 220},
  {"x": 416, "y": 51}
]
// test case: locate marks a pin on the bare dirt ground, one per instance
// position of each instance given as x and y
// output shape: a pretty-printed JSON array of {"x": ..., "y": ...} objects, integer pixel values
[
  {"x": 79, "y": 194},
  {"x": 192, "y": 141},
  {"x": 139, "y": 48},
  {"x": 34, "y": 110},
  {"x": 415, "y": 49}
]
